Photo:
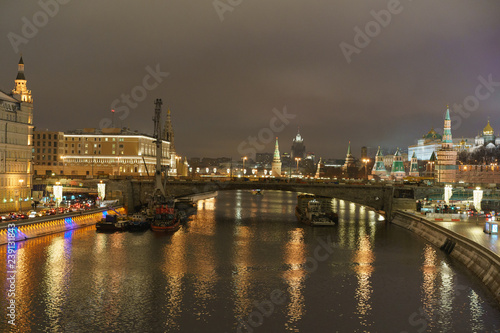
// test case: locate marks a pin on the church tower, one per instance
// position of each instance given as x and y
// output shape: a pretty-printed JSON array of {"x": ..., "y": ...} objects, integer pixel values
[
  {"x": 276, "y": 165},
  {"x": 398, "y": 168},
  {"x": 21, "y": 91},
  {"x": 446, "y": 156},
  {"x": 414, "y": 166},
  {"x": 379, "y": 167}
]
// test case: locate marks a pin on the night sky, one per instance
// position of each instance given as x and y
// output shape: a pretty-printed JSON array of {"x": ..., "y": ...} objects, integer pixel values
[{"x": 226, "y": 76}]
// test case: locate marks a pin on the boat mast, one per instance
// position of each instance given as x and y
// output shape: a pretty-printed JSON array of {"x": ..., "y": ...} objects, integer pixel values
[{"x": 157, "y": 135}]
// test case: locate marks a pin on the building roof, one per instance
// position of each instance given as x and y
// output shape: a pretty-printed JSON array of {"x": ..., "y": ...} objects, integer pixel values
[
  {"x": 488, "y": 130},
  {"x": 5, "y": 97},
  {"x": 432, "y": 135}
]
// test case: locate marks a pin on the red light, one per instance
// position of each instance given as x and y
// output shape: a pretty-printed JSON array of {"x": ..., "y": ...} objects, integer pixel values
[{"x": 113, "y": 110}]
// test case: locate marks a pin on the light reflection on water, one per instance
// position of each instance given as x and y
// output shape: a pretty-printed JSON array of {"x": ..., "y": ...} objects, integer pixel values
[{"x": 221, "y": 265}]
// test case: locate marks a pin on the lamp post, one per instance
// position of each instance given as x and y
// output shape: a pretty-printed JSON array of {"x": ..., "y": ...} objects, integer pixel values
[
  {"x": 298, "y": 160},
  {"x": 21, "y": 181}
]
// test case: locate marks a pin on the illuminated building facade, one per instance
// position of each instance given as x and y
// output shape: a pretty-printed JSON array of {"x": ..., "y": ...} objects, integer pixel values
[
  {"x": 398, "y": 168},
  {"x": 110, "y": 151},
  {"x": 16, "y": 123}
]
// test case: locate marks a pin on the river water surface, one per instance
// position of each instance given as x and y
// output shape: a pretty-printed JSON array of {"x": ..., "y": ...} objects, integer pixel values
[{"x": 244, "y": 264}]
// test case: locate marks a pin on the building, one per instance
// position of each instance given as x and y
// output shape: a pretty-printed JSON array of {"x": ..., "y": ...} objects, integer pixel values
[
  {"x": 92, "y": 152},
  {"x": 276, "y": 164},
  {"x": 486, "y": 138},
  {"x": 446, "y": 156},
  {"x": 414, "y": 172},
  {"x": 379, "y": 169},
  {"x": 298, "y": 148},
  {"x": 48, "y": 152},
  {"x": 398, "y": 169},
  {"x": 16, "y": 123}
]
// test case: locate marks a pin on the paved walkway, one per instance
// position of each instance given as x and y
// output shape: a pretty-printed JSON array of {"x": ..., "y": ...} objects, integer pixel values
[{"x": 471, "y": 228}]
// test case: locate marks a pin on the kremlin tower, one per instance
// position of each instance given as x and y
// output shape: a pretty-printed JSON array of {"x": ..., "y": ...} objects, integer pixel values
[
  {"x": 276, "y": 165},
  {"x": 21, "y": 92},
  {"x": 446, "y": 157},
  {"x": 379, "y": 167},
  {"x": 414, "y": 166},
  {"x": 398, "y": 167}
]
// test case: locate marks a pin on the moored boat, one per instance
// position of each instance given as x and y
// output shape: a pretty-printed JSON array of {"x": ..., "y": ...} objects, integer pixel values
[
  {"x": 165, "y": 218},
  {"x": 315, "y": 212},
  {"x": 112, "y": 223},
  {"x": 139, "y": 222}
]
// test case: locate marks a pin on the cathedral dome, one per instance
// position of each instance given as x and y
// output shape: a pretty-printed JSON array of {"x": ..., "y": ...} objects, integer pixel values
[
  {"x": 488, "y": 130},
  {"x": 432, "y": 135}
]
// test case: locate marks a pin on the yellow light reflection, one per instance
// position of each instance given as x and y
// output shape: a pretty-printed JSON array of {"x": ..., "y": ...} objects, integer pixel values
[
  {"x": 295, "y": 257},
  {"x": 364, "y": 257},
  {"x": 430, "y": 273}
]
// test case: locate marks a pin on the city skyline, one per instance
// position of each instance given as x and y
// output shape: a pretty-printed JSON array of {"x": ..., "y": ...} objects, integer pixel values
[{"x": 226, "y": 76}]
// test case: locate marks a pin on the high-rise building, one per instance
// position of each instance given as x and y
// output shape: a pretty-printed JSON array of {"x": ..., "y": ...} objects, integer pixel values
[
  {"x": 446, "y": 156},
  {"x": 298, "y": 148},
  {"x": 16, "y": 121},
  {"x": 276, "y": 165}
]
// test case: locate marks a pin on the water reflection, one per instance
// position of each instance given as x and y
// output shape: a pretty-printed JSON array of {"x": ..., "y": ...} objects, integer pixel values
[
  {"x": 363, "y": 259},
  {"x": 295, "y": 257},
  {"x": 232, "y": 254}
]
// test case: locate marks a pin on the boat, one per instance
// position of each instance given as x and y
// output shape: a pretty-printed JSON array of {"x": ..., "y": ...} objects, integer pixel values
[
  {"x": 139, "y": 222},
  {"x": 257, "y": 192},
  {"x": 165, "y": 218},
  {"x": 112, "y": 223},
  {"x": 315, "y": 210},
  {"x": 187, "y": 206}
]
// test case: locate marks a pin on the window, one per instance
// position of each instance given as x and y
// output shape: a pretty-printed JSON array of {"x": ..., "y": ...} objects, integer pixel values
[
  {"x": 49, "y": 143},
  {"x": 50, "y": 136},
  {"x": 55, "y": 144},
  {"x": 43, "y": 136},
  {"x": 121, "y": 146},
  {"x": 49, "y": 150}
]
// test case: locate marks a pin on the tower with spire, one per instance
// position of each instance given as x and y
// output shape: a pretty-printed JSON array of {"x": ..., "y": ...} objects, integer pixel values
[
  {"x": 320, "y": 169},
  {"x": 414, "y": 166},
  {"x": 276, "y": 164},
  {"x": 20, "y": 91},
  {"x": 298, "y": 148},
  {"x": 349, "y": 159},
  {"x": 379, "y": 169},
  {"x": 446, "y": 156},
  {"x": 16, "y": 166},
  {"x": 398, "y": 168}
]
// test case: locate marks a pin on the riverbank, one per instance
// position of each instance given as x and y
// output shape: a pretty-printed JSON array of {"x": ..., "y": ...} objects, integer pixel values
[
  {"x": 483, "y": 262},
  {"x": 15, "y": 231}
]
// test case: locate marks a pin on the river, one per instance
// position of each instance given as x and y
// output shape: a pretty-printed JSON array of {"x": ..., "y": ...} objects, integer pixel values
[{"x": 244, "y": 264}]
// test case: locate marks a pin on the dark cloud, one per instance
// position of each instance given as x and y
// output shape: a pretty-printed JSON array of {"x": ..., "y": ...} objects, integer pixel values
[{"x": 226, "y": 77}]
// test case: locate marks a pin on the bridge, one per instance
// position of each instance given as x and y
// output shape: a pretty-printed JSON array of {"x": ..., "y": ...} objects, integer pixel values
[{"x": 381, "y": 198}]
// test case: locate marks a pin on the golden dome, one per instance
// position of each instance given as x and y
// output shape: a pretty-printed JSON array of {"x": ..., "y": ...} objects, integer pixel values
[{"x": 488, "y": 130}]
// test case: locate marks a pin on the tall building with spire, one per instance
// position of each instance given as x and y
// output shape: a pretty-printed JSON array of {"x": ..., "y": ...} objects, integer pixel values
[
  {"x": 16, "y": 113},
  {"x": 414, "y": 166},
  {"x": 398, "y": 168},
  {"x": 298, "y": 148},
  {"x": 349, "y": 159},
  {"x": 446, "y": 156},
  {"x": 379, "y": 169},
  {"x": 20, "y": 91},
  {"x": 276, "y": 164}
]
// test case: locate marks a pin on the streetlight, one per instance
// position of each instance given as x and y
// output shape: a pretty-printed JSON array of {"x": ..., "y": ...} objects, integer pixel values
[
  {"x": 298, "y": 160},
  {"x": 21, "y": 194}
]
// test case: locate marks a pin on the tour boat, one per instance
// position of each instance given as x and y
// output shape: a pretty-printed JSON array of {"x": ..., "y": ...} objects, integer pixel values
[
  {"x": 139, "y": 222},
  {"x": 165, "y": 218}
]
